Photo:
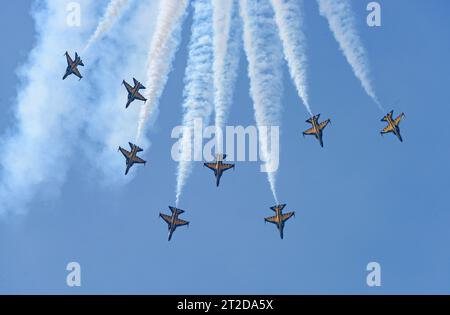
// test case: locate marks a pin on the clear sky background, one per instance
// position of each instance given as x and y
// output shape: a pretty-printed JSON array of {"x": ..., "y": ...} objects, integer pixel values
[{"x": 362, "y": 198}]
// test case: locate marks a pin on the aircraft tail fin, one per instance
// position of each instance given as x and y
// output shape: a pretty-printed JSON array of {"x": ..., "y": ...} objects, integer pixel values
[
  {"x": 220, "y": 157},
  {"x": 138, "y": 84},
  {"x": 132, "y": 146},
  {"x": 388, "y": 115},
  {"x": 281, "y": 207},
  {"x": 311, "y": 119},
  {"x": 78, "y": 60},
  {"x": 176, "y": 210}
]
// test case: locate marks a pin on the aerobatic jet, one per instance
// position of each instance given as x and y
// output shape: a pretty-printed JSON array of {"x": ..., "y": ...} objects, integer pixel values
[
  {"x": 317, "y": 128},
  {"x": 72, "y": 66},
  {"x": 219, "y": 167},
  {"x": 279, "y": 218},
  {"x": 131, "y": 157},
  {"x": 133, "y": 92},
  {"x": 173, "y": 221},
  {"x": 393, "y": 124}
]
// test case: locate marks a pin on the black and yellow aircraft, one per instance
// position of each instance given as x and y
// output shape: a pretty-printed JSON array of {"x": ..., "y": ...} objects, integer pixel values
[
  {"x": 172, "y": 221},
  {"x": 133, "y": 92},
  {"x": 393, "y": 124},
  {"x": 317, "y": 128},
  {"x": 219, "y": 167},
  {"x": 131, "y": 157},
  {"x": 72, "y": 66},
  {"x": 279, "y": 218}
]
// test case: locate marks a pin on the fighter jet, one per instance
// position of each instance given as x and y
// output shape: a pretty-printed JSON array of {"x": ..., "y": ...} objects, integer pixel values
[
  {"x": 279, "y": 217},
  {"x": 72, "y": 66},
  {"x": 219, "y": 167},
  {"x": 393, "y": 124},
  {"x": 131, "y": 157},
  {"x": 133, "y": 92},
  {"x": 173, "y": 221},
  {"x": 317, "y": 128}
]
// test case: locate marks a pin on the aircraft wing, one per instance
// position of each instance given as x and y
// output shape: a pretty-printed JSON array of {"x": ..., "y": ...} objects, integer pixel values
[
  {"x": 273, "y": 219},
  {"x": 179, "y": 222},
  {"x": 128, "y": 87},
  {"x": 138, "y": 160},
  {"x": 399, "y": 119},
  {"x": 211, "y": 166},
  {"x": 226, "y": 167},
  {"x": 125, "y": 153},
  {"x": 77, "y": 72},
  {"x": 166, "y": 218},
  {"x": 287, "y": 216},
  {"x": 69, "y": 59},
  {"x": 310, "y": 131},
  {"x": 323, "y": 124},
  {"x": 387, "y": 129},
  {"x": 139, "y": 96}
]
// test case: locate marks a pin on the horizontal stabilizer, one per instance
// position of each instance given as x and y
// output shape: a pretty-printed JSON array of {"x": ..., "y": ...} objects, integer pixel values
[
  {"x": 132, "y": 146},
  {"x": 388, "y": 115},
  {"x": 138, "y": 84},
  {"x": 220, "y": 157},
  {"x": 278, "y": 207},
  {"x": 311, "y": 119},
  {"x": 176, "y": 210}
]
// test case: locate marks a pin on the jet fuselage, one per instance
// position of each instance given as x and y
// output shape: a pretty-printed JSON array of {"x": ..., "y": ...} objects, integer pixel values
[
  {"x": 317, "y": 130},
  {"x": 132, "y": 95},
  {"x": 130, "y": 158},
  {"x": 173, "y": 225},
  {"x": 72, "y": 67},
  {"x": 394, "y": 127},
  {"x": 280, "y": 224},
  {"x": 219, "y": 172}
]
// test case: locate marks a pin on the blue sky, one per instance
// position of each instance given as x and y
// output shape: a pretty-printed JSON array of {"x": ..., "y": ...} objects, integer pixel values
[{"x": 362, "y": 198}]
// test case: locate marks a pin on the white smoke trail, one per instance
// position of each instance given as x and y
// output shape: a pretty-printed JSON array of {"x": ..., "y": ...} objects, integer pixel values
[
  {"x": 109, "y": 124},
  {"x": 163, "y": 47},
  {"x": 53, "y": 116},
  {"x": 112, "y": 13},
  {"x": 261, "y": 44},
  {"x": 226, "y": 30},
  {"x": 342, "y": 23},
  {"x": 198, "y": 90},
  {"x": 48, "y": 115},
  {"x": 289, "y": 19}
]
